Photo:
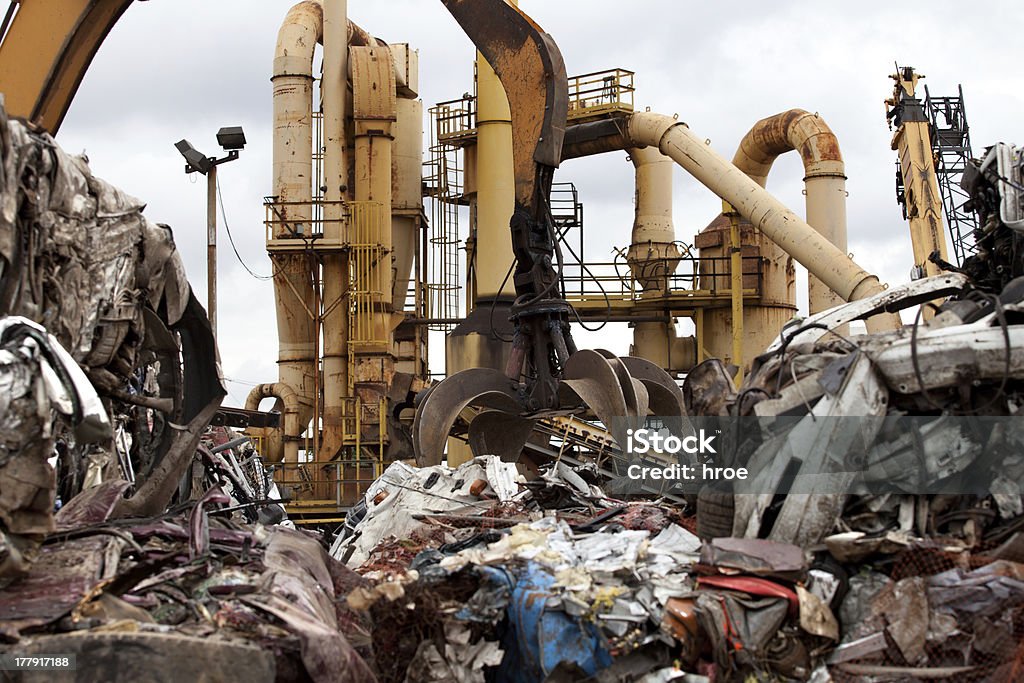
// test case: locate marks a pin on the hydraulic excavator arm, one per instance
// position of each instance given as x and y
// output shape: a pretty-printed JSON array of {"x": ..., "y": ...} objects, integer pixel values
[
  {"x": 545, "y": 373},
  {"x": 47, "y": 48},
  {"x": 531, "y": 69}
]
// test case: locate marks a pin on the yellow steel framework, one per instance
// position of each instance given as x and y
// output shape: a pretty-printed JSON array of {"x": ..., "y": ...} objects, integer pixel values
[
  {"x": 368, "y": 259},
  {"x": 692, "y": 284},
  {"x": 369, "y": 323},
  {"x": 736, "y": 288},
  {"x": 323, "y": 487}
]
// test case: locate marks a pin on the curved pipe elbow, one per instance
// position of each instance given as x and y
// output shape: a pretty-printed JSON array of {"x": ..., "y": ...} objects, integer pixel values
[
  {"x": 797, "y": 130},
  {"x": 822, "y": 258},
  {"x": 288, "y": 397},
  {"x": 301, "y": 31}
]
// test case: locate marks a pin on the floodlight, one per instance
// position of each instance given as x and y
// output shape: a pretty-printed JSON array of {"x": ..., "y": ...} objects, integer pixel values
[
  {"x": 231, "y": 137},
  {"x": 197, "y": 161}
]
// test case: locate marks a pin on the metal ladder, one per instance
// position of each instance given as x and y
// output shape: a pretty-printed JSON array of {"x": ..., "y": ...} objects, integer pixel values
[{"x": 951, "y": 145}]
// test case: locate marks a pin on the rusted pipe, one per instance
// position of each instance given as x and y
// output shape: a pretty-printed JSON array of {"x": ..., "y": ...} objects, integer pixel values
[
  {"x": 292, "y": 80},
  {"x": 791, "y": 130},
  {"x": 278, "y": 446},
  {"x": 765, "y": 212},
  {"x": 824, "y": 177}
]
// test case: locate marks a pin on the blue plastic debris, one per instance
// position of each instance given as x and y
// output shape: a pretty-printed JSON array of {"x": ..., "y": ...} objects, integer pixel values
[{"x": 541, "y": 636}]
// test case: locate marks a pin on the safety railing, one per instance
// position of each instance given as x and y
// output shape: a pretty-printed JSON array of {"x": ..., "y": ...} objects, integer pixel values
[
  {"x": 333, "y": 485},
  {"x": 454, "y": 120},
  {"x": 684, "y": 276},
  {"x": 600, "y": 93},
  {"x": 326, "y": 486},
  {"x": 300, "y": 223}
]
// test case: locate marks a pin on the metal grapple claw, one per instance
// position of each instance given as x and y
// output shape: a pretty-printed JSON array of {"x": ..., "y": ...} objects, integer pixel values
[
  {"x": 618, "y": 392},
  {"x": 440, "y": 405},
  {"x": 665, "y": 396}
]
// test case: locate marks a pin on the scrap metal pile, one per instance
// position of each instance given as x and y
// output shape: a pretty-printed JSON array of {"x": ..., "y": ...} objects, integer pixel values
[
  {"x": 185, "y": 596},
  {"x": 477, "y": 574},
  {"x": 879, "y": 536},
  {"x": 107, "y": 362}
]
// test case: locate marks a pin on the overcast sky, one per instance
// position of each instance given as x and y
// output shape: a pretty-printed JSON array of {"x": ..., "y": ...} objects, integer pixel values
[{"x": 184, "y": 68}]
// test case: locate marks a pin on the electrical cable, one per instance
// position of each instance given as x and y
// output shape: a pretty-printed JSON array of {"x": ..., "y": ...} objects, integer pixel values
[
  {"x": 560, "y": 239},
  {"x": 231, "y": 238},
  {"x": 785, "y": 343},
  {"x": 494, "y": 301},
  {"x": 607, "y": 300}
]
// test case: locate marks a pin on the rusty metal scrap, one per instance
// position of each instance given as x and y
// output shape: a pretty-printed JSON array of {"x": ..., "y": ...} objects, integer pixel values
[
  {"x": 275, "y": 589},
  {"x": 79, "y": 256}
]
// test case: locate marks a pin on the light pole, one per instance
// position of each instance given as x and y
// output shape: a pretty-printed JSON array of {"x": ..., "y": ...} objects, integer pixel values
[{"x": 232, "y": 139}]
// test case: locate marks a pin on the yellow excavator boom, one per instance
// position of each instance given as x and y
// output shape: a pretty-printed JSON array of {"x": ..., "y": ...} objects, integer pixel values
[{"x": 46, "y": 51}]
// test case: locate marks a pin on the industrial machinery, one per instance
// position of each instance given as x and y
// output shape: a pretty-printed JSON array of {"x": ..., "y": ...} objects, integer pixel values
[
  {"x": 934, "y": 145},
  {"x": 348, "y": 239},
  {"x": 545, "y": 374},
  {"x": 918, "y": 188}
]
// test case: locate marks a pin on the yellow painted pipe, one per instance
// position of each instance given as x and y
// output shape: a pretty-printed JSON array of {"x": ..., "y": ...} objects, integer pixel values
[
  {"x": 669, "y": 351},
  {"x": 653, "y": 254},
  {"x": 824, "y": 177},
  {"x": 496, "y": 186},
  {"x": 334, "y": 93},
  {"x": 406, "y": 192},
  {"x": 821, "y": 258},
  {"x": 292, "y": 185},
  {"x": 375, "y": 110},
  {"x": 653, "y": 202}
]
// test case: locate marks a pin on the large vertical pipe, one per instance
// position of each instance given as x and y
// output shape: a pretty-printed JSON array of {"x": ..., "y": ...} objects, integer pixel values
[
  {"x": 407, "y": 193},
  {"x": 375, "y": 107},
  {"x": 292, "y": 185},
  {"x": 653, "y": 255},
  {"x": 652, "y": 223},
  {"x": 334, "y": 92},
  {"x": 495, "y": 183},
  {"x": 475, "y": 343},
  {"x": 824, "y": 178}
]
